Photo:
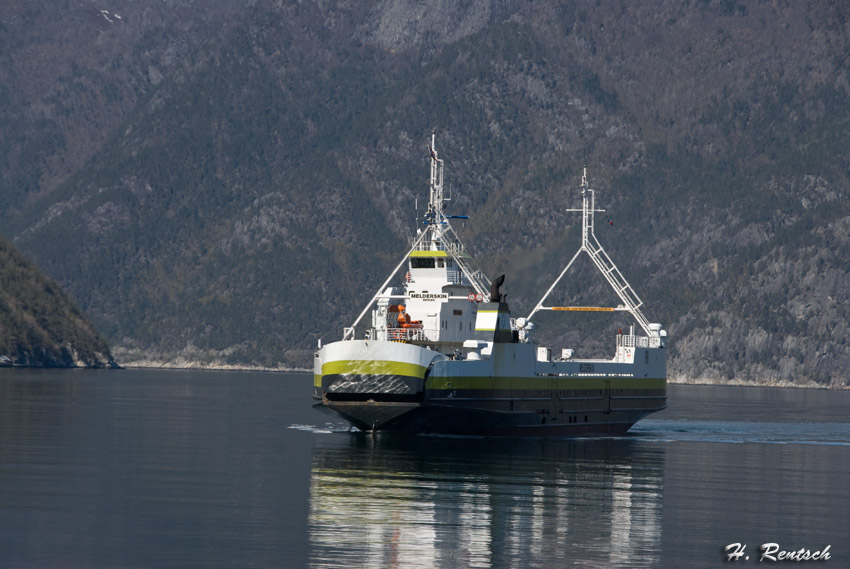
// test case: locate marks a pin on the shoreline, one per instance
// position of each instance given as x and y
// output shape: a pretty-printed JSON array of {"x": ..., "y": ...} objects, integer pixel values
[
  {"x": 194, "y": 365},
  {"x": 149, "y": 364},
  {"x": 750, "y": 383}
]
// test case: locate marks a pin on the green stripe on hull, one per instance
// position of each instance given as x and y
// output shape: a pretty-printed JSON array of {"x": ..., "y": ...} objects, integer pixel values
[
  {"x": 544, "y": 383},
  {"x": 372, "y": 367}
]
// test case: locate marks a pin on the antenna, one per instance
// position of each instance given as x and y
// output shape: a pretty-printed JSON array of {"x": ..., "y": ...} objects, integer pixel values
[{"x": 435, "y": 206}]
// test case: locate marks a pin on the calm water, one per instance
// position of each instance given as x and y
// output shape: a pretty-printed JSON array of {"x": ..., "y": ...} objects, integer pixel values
[{"x": 140, "y": 468}]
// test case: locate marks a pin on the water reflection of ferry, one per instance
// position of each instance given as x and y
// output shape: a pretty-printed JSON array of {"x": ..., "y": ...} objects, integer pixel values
[{"x": 485, "y": 503}]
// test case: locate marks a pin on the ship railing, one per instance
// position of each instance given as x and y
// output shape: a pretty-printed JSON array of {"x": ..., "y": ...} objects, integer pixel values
[
  {"x": 626, "y": 341},
  {"x": 632, "y": 341},
  {"x": 454, "y": 248},
  {"x": 429, "y": 245},
  {"x": 407, "y": 334},
  {"x": 425, "y": 246},
  {"x": 466, "y": 263}
]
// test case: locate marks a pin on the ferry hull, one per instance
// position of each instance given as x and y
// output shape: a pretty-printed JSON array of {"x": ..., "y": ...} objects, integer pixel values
[
  {"x": 367, "y": 415},
  {"x": 484, "y": 419},
  {"x": 449, "y": 420},
  {"x": 371, "y": 383},
  {"x": 497, "y": 396}
]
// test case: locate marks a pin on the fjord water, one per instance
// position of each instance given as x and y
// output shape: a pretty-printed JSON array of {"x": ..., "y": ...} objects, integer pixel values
[{"x": 142, "y": 468}]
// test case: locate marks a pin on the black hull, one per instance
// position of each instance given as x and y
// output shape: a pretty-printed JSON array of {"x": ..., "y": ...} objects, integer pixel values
[{"x": 425, "y": 418}]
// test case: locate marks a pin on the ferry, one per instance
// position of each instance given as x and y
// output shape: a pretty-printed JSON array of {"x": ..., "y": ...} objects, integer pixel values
[{"x": 441, "y": 353}]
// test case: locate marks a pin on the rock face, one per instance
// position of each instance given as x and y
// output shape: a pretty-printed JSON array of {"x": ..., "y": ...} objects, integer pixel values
[
  {"x": 404, "y": 25},
  {"x": 39, "y": 325}
]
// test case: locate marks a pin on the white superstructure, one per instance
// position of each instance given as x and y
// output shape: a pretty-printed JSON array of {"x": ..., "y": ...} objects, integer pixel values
[{"x": 441, "y": 288}]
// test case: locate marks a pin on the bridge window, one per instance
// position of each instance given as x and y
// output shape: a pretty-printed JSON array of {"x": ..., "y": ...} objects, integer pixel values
[{"x": 422, "y": 263}]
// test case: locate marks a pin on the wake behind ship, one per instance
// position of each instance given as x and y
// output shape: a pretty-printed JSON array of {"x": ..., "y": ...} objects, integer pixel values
[{"x": 442, "y": 353}]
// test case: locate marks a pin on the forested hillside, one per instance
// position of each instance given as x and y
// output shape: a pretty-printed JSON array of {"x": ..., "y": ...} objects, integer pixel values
[
  {"x": 39, "y": 324},
  {"x": 227, "y": 182}
]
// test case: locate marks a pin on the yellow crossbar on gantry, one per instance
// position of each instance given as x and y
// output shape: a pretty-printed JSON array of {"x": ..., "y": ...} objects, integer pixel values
[{"x": 583, "y": 308}]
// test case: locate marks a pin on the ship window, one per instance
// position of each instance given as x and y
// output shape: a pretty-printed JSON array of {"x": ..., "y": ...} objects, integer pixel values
[
  {"x": 440, "y": 263},
  {"x": 422, "y": 263},
  {"x": 457, "y": 312},
  {"x": 461, "y": 326}
]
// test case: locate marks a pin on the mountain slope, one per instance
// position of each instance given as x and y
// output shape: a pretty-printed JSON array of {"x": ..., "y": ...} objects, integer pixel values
[
  {"x": 248, "y": 202},
  {"x": 39, "y": 325}
]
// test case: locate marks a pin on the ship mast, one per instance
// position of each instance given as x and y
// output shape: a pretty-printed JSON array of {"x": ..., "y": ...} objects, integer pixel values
[
  {"x": 434, "y": 215},
  {"x": 438, "y": 236},
  {"x": 443, "y": 237},
  {"x": 590, "y": 245}
]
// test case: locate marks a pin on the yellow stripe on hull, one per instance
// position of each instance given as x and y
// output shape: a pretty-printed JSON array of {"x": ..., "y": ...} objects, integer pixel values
[{"x": 371, "y": 367}]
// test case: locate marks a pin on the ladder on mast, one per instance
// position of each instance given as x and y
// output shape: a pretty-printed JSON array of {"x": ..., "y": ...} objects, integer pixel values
[{"x": 590, "y": 245}]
